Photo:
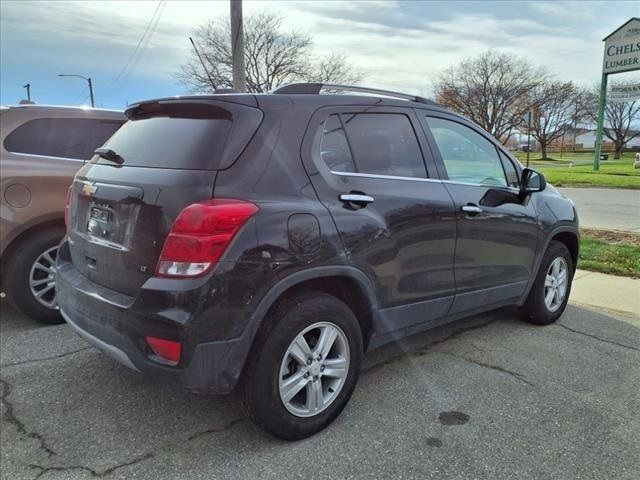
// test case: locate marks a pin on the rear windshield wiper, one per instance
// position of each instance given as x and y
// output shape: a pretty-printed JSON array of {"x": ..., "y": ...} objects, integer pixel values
[{"x": 110, "y": 155}]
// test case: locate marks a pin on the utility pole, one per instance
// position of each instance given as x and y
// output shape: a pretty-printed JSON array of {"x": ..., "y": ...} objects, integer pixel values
[
  {"x": 88, "y": 79},
  {"x": 237, "y": 46},
  {"x": 28, "y": 87},
  {"x": 93, "y": 103}
]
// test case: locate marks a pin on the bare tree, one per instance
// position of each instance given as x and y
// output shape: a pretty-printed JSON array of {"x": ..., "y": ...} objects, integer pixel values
[
  {"x": 621, "y": 120},
  {"x": 491, "y": 89},
  {"x": 272, "y": 57},
  {"x": 553, "y": 103},
  {"x": 334, "y": 68}
]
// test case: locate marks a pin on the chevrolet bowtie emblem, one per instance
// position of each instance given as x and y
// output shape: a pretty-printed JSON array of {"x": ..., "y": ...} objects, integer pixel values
[{"x": 88, "y": 189}]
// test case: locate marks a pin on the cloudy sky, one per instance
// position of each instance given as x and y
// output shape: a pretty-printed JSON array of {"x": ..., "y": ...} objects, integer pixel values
[{"x": 399, "y": 45}]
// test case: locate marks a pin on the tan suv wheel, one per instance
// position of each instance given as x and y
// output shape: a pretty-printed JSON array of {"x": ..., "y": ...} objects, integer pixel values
[{"x": 29, "y": 275}]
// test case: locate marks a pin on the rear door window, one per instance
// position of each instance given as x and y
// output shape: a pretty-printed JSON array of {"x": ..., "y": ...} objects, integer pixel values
[
  {"x": 334, "y": 147},
  {"x": 75, "y": 138},
  {"x": 373, "y": 143}
]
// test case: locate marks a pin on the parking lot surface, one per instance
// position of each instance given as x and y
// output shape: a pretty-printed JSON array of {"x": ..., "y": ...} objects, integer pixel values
[{"x": 488, "y": 397}]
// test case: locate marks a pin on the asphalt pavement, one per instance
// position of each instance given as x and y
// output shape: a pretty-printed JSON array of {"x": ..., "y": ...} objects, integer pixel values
[
  {"x": 609, "y": 208},
  {"x": 487, "y": 397}
]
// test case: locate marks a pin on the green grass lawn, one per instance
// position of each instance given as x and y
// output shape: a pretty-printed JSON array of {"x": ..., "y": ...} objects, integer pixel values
[
  {"x": 607, "y": 257},
  {"x": 580, "y": 157},
  {"x": 612, "y": 173}
]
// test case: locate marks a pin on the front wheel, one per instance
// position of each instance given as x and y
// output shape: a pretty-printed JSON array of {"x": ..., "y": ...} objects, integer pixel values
[
  {"x": 550, "y": 292},
  {"x": 304, "y": 366}
]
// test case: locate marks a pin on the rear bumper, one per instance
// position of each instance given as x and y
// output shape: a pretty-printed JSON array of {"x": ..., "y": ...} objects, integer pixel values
[
  {"x": 111, "y": 350},
  {"x": 117, "y": 325}
]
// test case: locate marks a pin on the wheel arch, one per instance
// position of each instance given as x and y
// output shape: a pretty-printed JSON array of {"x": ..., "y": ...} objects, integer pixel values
[
  {"x": 566, "y": 234},
  {"x": 346, "y": 283},
  {"x": 28, "y": 232},
  {"x": 571, "y": 240}
]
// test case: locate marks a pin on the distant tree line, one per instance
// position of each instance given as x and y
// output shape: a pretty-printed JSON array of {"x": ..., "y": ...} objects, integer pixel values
[{"x": 495, "y": 90}]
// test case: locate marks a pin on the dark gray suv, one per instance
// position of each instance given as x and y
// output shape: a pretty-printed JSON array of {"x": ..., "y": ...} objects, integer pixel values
[{"x": 265, "y": 242}]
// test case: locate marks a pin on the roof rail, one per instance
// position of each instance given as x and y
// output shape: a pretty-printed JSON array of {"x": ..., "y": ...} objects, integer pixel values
[{"x": 316, "y": 88}]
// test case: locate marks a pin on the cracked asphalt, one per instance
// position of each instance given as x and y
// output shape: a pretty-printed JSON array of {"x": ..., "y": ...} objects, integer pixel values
[{"x": 487, "y": 397}]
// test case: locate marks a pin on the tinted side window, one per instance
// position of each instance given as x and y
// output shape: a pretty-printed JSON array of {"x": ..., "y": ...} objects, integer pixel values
[
  {"x": 510, "y": 171},
  {"x": 334, "y": 148},
  {"x": 384, "y": 144},
  {"x": 60, "y": 137},
  {"x": 468, "y": 156}
]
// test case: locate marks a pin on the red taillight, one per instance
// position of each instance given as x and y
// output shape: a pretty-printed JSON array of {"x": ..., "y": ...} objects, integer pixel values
[
  {"x": 167, "y": 350},
  {"x": 200, "y": 235},
  {"x": 67, "y": 209}
]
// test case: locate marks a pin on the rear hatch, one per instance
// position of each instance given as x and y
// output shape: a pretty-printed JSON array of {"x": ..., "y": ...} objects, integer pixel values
[{"x": 124, "y": 201}]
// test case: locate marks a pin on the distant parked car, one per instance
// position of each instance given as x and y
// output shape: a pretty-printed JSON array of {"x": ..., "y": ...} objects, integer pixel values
[{"x": 42, "y": 148}]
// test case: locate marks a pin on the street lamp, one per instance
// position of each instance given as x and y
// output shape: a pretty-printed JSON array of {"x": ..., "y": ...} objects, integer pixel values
[
  {"x": 28, "y": 87},
  {"x": 88, "y": 79}
]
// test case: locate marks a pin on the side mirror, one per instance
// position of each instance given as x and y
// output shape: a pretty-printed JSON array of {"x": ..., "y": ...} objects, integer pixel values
[{"x": 532, "y": 181}]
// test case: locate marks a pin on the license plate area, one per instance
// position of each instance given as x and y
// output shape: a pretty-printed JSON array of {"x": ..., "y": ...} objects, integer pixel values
[{"x": 101, "y": 221}]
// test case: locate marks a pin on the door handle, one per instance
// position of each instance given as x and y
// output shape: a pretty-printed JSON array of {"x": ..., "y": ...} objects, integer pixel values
[
  {"x": 471, "y": 209},
  {"x": 356, "y": 198}
]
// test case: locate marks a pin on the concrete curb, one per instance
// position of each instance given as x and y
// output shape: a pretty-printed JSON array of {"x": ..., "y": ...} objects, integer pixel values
[{"x": 610, "y": 292}]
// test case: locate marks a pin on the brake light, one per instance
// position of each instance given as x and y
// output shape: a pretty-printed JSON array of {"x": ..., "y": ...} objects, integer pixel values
[
  {"x": 200, "y": 235},
  {"x": 67, "y": 209},
  {"x": 167, "y": 350}
]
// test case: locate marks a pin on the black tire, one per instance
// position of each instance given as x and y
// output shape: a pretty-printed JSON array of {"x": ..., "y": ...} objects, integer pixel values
[
  {"x": 259, "y": 387},
  {"x": 17, "y": 270},
  {"x": 535, "y": 309}
]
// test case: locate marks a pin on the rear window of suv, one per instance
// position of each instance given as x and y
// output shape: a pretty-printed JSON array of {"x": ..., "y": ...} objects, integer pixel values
[
  {"x": 75, "y": 138},
  {"x": 163, "y": 142},
  {"x": 190, "y": 136}
]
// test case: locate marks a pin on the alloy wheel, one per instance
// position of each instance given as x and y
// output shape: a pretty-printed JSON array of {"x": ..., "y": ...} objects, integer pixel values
[
  {"x": 314, "y": 369},
  {"x": 555, "y": 284},
  {"x": 42, "y": 278}
]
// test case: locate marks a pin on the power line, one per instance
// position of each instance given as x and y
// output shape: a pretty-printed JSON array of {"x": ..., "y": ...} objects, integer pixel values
[
  {"x": 148, "y": 32},
  {"x": 147, "y": 40}
]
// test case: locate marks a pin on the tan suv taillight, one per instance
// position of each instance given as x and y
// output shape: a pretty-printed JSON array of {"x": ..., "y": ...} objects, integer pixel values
[{"x": 67, "y": 209}]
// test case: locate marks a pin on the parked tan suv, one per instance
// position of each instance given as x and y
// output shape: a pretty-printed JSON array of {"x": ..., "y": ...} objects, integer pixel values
[{"x": 42, "y": 148}]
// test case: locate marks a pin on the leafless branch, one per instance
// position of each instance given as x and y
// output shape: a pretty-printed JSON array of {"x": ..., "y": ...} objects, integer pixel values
[
  {"x": 272, "y": 57},
  {"x": 491, "y": 89}
]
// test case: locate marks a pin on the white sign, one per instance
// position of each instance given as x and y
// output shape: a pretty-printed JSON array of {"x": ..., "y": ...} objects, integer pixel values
[
  {"x": 622, "y": 48},
  {"x": 624, "y": 93}
]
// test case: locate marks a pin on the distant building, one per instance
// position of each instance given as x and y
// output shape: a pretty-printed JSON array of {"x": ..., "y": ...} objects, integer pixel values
[
  {"x": 587, "y": 140},
  {"x": 574, "y": 139}
]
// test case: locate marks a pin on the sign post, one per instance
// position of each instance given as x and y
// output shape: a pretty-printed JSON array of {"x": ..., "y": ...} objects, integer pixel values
[
  {"x": 621, "y": 54},
  {"x": 602, "y": 101},
  {"x": 529, "y": 115}
]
